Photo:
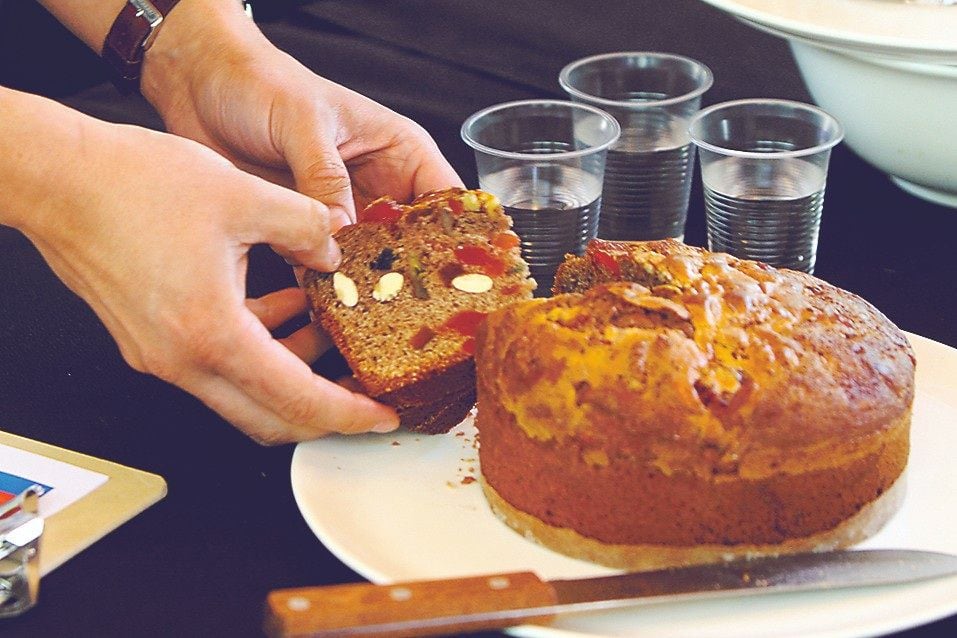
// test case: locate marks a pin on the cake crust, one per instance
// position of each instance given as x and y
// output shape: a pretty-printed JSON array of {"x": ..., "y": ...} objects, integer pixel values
[
  {"x": 685, "y": 399},
  {"x": 648, "y": 556}
]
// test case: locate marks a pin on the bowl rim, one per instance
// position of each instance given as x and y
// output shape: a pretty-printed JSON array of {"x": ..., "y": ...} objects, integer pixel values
[
  {"x": 948, "y": 71},
  {"x": 893, "y": 28}
]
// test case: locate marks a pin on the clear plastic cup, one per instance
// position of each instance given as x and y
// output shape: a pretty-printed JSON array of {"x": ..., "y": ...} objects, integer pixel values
[
  {"x": 649, "y": 169},
  {"x": 764, "y": 167},
  {"x": 544, "y": 159}
]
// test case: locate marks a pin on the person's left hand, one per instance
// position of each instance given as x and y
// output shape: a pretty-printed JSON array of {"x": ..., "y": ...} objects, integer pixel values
[{"x": 215, "y": 78}]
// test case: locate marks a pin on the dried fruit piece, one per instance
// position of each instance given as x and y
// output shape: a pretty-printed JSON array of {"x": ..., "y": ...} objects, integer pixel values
[
  {"x": 606, "y": 261},
  {"x": 506, "y": 240},
  {"x": 383, "y": 210},
  {"x": 490, "y": 202},
  {"x": 422, "y": 338},
  {"x": 384, "y": 261},
  {"x": 345, "y": 289},
  {"x": 482, "y": 257},
  {"x": 470, "y": 201},
  {"x": 450, "y": 271},
  {"x": 388, "y": 286},
  {"x": 417, "y": 277},
  {"x": 448, "y": 223},
  {"x": 472, "y": 282},
  {"x": 465, "y": 322}
]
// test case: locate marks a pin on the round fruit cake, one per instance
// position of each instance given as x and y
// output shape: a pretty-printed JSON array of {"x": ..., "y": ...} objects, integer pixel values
[{"x": 686, "y": 407}]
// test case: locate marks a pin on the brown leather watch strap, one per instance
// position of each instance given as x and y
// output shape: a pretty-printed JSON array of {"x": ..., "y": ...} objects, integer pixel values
[{"x": 128, "y": 39}]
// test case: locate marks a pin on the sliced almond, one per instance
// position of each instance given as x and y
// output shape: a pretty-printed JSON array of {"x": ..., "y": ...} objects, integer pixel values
[
  {"x": 472, "y": 282},
  {"x": 388, "y": 286},
  {"x": 345, "y": 288}
]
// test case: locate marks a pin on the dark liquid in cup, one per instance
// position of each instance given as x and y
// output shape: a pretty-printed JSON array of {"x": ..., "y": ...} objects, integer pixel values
[
  {"x": 645, "y": 194},
  {"x": 548, "y": 234}
]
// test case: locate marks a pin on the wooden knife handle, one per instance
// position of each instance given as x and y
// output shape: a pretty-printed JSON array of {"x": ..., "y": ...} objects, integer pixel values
[{"x": 418, "y": 608}]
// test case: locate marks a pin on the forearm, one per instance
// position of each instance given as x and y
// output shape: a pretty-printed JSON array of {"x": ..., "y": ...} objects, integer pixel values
[
  {"x": 193, "y": 34},
  {"x": 89, "y": 20},
  {"x": 43, "y": 146}
]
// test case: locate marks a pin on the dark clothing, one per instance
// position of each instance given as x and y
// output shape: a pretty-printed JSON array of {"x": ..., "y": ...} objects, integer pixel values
[{"x": 39, "y": 55}]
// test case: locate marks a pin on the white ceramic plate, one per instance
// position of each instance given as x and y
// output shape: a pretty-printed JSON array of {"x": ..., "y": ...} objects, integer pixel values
[
  {"x": 920, "y": 33},
  {"x": 404, "y": 507}
]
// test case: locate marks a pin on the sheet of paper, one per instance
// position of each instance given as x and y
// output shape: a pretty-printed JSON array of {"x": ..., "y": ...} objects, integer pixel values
[{"x": 60, "y": 483}]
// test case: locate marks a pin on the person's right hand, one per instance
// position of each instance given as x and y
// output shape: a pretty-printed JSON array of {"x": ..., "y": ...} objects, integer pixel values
[
  {"x": 153, "y": 231},
  {"x": 215, "y": 78}
]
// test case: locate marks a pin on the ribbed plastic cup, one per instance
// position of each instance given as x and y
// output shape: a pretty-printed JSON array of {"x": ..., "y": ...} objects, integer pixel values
[
  {"x": 649, "y": 169},
  {"x": 545, "y": 160},
  {"x": 764, "y": 168}
]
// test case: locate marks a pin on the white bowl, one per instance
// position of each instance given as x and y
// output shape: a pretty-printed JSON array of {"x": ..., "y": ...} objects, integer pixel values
[
  {"x": 899, "y": 116},
  {"x": 891, "y": 82}
]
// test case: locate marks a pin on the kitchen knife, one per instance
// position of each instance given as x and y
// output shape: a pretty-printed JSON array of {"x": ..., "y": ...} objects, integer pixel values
[{"x": 422, "y": 608}]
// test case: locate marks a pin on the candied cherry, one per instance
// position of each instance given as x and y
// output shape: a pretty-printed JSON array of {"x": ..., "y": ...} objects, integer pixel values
[
  {"x": 606, "y": 261},
  {"x": 506, "y": 241},
  {"x": 385, "y": 211},
  {"x": 465, "y": 322},
  {"x": 481, "y": 257}
]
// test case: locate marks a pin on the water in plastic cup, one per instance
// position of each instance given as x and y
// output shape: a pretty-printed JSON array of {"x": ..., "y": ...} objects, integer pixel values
[
  {"x": 544, "y": 159},
  {"x": 764, "y": 168},
  {"x": 649, "y": 169}
]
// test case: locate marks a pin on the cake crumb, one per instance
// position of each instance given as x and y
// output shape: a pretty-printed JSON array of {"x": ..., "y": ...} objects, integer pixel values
[{"x": 466, "y": 480}]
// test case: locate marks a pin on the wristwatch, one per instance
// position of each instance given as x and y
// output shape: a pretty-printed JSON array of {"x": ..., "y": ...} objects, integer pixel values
[{"x": 132, "y": 35}]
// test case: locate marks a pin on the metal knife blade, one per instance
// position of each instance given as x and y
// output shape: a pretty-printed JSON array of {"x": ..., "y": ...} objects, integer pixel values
[
  {"x": 421, "y": 608},
  {"x": 796, "y": 572}
]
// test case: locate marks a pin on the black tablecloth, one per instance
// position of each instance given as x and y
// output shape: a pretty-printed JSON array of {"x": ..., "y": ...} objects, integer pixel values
[{"x": 202, "y": 560}]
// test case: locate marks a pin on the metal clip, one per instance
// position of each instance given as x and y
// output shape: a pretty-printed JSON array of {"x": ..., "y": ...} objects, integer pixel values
[{"x": 20, "y": 531}]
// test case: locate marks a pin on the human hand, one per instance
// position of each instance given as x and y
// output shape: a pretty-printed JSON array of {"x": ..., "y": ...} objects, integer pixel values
[
  {"x": 215, "y": 78},
  {"x": 158, "y": 248}
]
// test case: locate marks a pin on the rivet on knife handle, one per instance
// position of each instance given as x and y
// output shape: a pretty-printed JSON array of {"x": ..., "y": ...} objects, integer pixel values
[{"x": 410, "y": 609}]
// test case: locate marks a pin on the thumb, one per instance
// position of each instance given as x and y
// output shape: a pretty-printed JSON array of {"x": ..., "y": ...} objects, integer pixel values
[{"x": 320, "y": 173}]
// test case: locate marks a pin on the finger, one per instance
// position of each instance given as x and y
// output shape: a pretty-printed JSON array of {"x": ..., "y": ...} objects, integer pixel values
[
  {"x": 434, "y": 171},
  {"x": 293, "y": 224},
  {"x": 269, "y": 426},
  {"x": 350, "y": 383},
  {"x": 274, "y": 378},
  {"x": 260, "y": 423},
  {"x": 276, "y": 308},
  {"x": 319, "y": 171},
  {"x": 309, "y": 343}
]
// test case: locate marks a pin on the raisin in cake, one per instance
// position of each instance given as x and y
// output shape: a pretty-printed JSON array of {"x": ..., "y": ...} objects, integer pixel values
[
  {"x": 706, "y": 407},
  {"x": 414, "y": 284}
]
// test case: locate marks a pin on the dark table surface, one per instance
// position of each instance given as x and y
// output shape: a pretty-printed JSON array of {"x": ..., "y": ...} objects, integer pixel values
[{"x": 202, "y": 560}]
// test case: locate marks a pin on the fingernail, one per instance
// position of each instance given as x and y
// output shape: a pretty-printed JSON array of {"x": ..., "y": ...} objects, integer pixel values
[
  {"x": 333, "y": 254},
  {"x": 385, "y": 426},
  {"x": 339, "y": 217}
]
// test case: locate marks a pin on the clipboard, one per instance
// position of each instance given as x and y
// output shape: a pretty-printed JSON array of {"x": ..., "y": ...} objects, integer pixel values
[{"x": 126, "y": 493}]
